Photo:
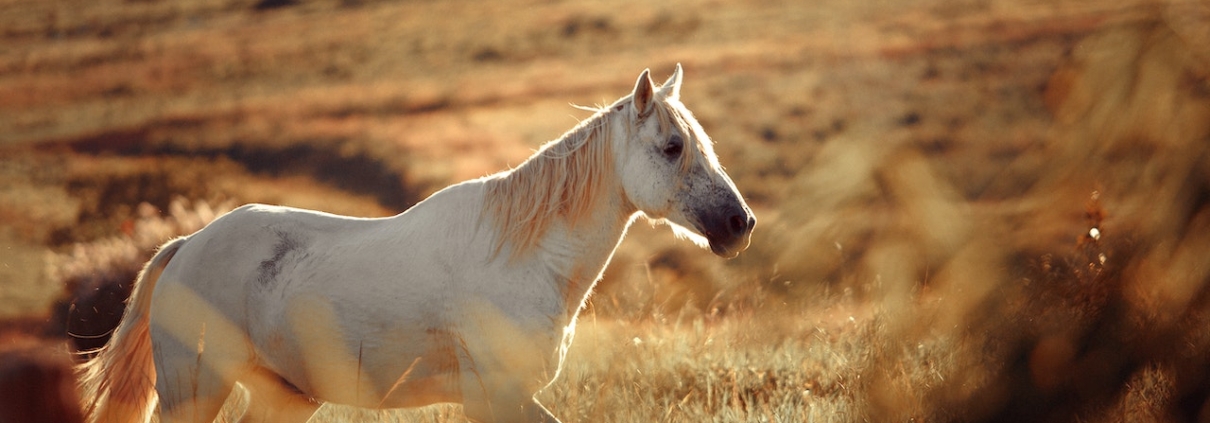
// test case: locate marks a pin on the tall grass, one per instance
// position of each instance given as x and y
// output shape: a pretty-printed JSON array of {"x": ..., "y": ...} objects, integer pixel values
[{"x": 961, "y": 229}]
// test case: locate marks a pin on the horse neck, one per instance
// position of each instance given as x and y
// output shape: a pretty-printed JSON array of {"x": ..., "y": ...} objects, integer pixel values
[
  {"x": 573, "y": 212},
  {"x": 560, "y": 183},
  {"x": 576, "y": 253}
]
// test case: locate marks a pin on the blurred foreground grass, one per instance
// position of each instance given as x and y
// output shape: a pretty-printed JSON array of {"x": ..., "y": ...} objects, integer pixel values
[
  {"x": 694, "y": 370},
  {"x": 969, "y": 211}
]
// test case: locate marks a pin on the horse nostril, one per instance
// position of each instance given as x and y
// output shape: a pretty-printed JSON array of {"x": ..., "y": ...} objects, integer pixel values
[{"x": 738, "y": 224}]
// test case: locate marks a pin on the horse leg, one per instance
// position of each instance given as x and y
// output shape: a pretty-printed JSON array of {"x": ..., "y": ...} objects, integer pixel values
[
  {"x": 192, "y": 388},
  {"x": 535, "y": 412},
  {"x": 272, "y": 400},
  {"x": 508, "y": 410},
  {"x": 502, "y": 401},
  {"x": 197, "y": 362}
]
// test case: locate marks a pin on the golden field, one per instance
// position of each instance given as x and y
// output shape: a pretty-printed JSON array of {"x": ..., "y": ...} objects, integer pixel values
[{"x": 968, "y": 210}]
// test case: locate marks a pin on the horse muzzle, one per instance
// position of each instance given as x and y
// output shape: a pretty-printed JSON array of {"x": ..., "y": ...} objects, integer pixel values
[{"x": 729, "y": 231}]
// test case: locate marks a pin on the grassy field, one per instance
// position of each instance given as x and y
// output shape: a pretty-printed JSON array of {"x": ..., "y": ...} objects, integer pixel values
[{"x": 969, "y": 210}]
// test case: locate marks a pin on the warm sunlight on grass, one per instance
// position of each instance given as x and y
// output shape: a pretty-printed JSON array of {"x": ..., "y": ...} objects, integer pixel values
[{"x": 968, "y": 210}]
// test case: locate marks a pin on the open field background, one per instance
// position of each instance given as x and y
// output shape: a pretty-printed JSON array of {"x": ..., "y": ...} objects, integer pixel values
[{"x": 969, "y": 210}]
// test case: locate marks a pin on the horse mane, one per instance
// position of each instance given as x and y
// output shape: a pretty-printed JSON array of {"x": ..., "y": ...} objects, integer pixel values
[
  {"x": 563, "y": 177},
  {"x": 559, "y": 181}
]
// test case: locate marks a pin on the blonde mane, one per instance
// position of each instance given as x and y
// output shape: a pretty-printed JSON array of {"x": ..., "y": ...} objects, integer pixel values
[{"x": 561, "y": 180}]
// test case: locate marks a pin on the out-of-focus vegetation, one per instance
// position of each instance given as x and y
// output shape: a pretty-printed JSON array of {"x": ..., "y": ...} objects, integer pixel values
[{"x": 969, "y": 210}]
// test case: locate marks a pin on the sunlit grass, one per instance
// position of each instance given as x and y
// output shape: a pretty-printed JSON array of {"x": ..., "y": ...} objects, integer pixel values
[
  {"x": 753, "y": 368},
  {"x": 741, "y": 368},
  {"x": 922, "y": 176}
]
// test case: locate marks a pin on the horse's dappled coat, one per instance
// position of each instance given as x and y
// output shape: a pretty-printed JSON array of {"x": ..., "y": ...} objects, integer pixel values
[{"x": 470, "y": 296}]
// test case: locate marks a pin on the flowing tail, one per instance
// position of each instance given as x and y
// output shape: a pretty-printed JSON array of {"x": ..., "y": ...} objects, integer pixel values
[{"x": 118, "y": 384}]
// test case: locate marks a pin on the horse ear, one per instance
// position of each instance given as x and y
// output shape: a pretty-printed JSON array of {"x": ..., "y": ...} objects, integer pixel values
[
  {"x": 644, "y": 90},
  {"x": 672, "y": 87}
]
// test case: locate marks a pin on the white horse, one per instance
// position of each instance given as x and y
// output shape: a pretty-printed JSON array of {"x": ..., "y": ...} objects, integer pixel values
[{"x": 470, "y": 296}]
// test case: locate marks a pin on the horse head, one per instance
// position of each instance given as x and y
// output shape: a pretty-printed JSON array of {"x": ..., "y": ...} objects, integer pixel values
[{"x": 670, "y": 173}]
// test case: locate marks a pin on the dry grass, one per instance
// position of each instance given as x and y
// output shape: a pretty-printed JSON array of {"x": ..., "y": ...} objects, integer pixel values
[
  {"x": 927, "y": 175},
  {"x": 692, "y": 369}
]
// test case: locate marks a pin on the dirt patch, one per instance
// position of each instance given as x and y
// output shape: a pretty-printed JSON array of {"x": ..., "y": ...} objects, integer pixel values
[{"x": 327, "y": 161}]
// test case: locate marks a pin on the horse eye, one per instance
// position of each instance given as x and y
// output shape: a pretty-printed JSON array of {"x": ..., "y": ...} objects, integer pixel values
[{"x": 673, "y": 149}]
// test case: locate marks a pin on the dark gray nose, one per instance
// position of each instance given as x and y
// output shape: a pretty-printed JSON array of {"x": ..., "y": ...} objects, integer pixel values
[
  {"x": 727, "y": 228},
  {"x": 740, "y": 223}
]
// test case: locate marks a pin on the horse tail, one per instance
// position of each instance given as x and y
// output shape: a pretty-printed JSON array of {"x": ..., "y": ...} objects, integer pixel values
[{"x": 118, "y": 384}]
